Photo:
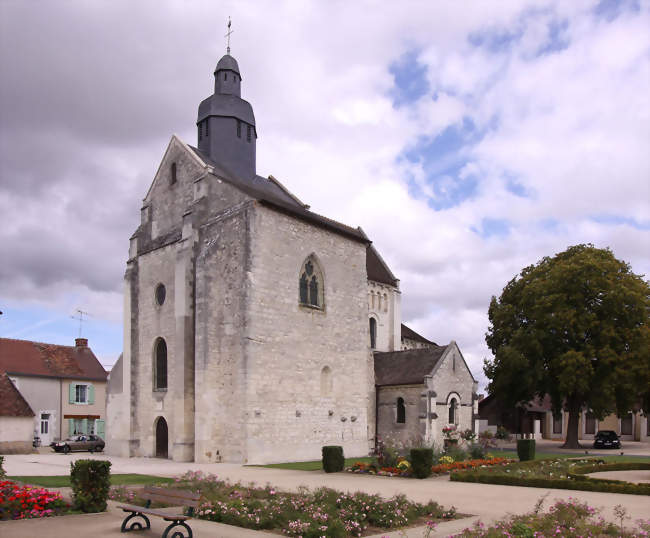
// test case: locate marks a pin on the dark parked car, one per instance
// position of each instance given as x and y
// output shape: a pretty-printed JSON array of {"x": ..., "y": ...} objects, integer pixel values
[
  {"x": 91, "y": 443},
  {"x": 607, "y": 439}
]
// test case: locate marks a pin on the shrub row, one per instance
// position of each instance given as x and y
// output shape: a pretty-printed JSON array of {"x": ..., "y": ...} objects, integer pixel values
[
  {"x": 557, "y": 483},
  {"x": 579, "y": 473}
]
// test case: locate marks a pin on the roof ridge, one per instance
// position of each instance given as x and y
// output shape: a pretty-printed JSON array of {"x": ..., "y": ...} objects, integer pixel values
[{"x": 35, "y": 342}]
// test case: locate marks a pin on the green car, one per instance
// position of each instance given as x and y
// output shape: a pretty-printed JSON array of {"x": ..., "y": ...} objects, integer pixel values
[{"x": 91, "y": 443}]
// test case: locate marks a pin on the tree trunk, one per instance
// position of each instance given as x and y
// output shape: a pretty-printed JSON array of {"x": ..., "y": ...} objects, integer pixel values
[{"x": 572, "y": 428}]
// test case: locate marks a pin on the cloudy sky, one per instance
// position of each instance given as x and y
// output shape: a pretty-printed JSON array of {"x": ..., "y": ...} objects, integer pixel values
[{"x": 468, "y": 139}]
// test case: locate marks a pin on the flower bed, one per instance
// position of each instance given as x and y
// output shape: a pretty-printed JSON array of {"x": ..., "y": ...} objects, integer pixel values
[
  {"x": 25, "y": 502},
  {"x": 323, "y": 512},
  {"x": 570, "y": 518},
  {"x": 554, "y": 473},
  {"x": 446, "y": 465}
]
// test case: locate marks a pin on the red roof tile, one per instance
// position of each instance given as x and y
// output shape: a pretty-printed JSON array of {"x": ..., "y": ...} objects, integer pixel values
[
  {"x": 12, "y": 403},
  {"x": 49, "y": 360}
]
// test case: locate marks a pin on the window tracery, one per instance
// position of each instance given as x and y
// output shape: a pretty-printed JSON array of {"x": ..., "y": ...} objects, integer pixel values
[{"x": 311, "y": 284}]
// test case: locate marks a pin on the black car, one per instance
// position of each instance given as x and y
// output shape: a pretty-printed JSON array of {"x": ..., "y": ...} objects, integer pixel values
[{"x": 607, "y": 439}]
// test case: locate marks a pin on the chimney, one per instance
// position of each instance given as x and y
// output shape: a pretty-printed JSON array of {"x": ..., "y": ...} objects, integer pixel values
[{"x": 81, "y": 342}]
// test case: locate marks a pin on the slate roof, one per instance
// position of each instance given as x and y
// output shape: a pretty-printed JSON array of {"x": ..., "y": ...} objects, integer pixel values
[
  {"x": 24, "y": 357},
  {"x": 406, "y": 367},
  {"x": 377, "y": 269},
  {"x": 271, "y": 194},
  {"x": 227, "y": 62},
  {"x": 12, "y": 403},
  {"x": 410, "y": 334}
]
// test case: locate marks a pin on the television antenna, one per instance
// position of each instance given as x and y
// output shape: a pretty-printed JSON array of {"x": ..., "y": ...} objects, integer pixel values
[{"x": 80, "y": 316}]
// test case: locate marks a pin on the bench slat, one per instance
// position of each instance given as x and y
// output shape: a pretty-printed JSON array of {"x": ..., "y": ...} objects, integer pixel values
[{"x": 165, "y": 515}]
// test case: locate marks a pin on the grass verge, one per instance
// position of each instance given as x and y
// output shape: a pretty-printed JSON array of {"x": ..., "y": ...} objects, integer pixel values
[
  {"x": 310, "y": 465},
  {"x": 63, "y": 481}
]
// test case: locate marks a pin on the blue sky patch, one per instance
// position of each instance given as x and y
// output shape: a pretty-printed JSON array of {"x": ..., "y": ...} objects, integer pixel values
[
  {"x": 52, "y": 327},
  {"x": 611, "y": 9},
  {"x": 492, "y": 228},
  {"x": 443, "y": 159},
  {"x": 410, "y": 78},
  {"x": 617, "y": 220}
]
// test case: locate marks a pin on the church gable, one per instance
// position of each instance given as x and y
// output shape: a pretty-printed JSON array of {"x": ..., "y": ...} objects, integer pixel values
[{"x": 172, "y": 189}]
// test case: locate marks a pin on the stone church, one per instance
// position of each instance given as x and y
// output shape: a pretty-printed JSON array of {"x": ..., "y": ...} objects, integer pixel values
[{"x": 256, "y": 330}]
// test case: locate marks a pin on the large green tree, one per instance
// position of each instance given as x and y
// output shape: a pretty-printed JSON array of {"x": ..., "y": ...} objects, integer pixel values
[{"x": 574, "y": 326}]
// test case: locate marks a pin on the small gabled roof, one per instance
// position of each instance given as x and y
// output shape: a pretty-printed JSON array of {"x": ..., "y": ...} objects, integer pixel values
[
  {"x": 24, "y": 357},
  {"x": 406, "y": 367},
  {"x": 12, "y": 403},
  {"x": 410, "y": 334}
]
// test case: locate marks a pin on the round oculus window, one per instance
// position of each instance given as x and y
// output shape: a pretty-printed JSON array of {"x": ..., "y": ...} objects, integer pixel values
[{"x": 161, "y": 292}]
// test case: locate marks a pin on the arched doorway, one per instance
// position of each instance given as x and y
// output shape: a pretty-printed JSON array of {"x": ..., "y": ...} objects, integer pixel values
[{"x": 161, "y": 438}]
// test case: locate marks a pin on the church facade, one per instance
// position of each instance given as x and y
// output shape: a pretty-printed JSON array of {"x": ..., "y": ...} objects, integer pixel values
[{"x": 250, "y": 322}]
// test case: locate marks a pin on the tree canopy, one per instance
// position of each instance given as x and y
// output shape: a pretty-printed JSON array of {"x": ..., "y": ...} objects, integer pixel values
[{"x": 574, "y": 326}]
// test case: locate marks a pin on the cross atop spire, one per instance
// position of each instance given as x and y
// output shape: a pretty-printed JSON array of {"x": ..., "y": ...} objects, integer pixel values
[{"x": 228, "y": 35}]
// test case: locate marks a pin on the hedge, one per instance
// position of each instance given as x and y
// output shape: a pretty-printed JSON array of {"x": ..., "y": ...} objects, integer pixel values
[
  {"x": 421, "y": 462},
  {"x": 90, "y": 481},
  {"x": 557, "y": 483},
  {"x": 333, "y": 459},
  {"x": 526, "y": 449},
  {"x": 579, "y": 472}
]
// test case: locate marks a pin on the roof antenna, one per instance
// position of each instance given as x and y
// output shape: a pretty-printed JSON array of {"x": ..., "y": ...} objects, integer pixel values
[
  {"x": 80, "y": 317},
  {"x": 228, "y": 35}
]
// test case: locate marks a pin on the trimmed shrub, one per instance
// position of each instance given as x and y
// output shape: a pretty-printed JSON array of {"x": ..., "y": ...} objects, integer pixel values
[
  {"x": 421, "y": 462},
  {"x": 477, "y": 451},
  {"x": 333, "y": 459},
  {"x": 90, "y": 481},
  {"x": 526, "y": 449}
]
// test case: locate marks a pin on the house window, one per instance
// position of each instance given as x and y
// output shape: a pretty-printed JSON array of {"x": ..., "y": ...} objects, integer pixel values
[
  {"x": 310, "y": 285},
  {"x": 81, "y": 394},
  {"x": 160, "y": 366},
  {"x": 238, "y": 129},
  {"x": 373, "y": 333},
  {"x": 453, "y": 415},
  {"x": 173, "y": 180},
  {"x": 161, "y": 293},
  {"x": 326, "y": 381},
  {"x": 557, "y": 423}
]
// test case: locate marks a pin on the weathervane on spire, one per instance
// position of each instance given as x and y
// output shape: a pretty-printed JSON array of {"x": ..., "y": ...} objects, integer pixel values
[{"x": 228, "y": 35}]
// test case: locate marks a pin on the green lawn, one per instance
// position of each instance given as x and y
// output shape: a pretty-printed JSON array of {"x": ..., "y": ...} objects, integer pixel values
[
  {"x": 63, "y": 481},
  {"x": 310, "y": 465}
]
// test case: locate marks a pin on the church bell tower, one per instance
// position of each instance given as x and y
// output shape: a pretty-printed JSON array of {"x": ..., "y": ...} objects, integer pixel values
[{"x": 226, "y": 123}]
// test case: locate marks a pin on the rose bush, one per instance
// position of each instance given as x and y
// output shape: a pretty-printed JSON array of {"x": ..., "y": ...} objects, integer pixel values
[{"x": 26, "y": 502}]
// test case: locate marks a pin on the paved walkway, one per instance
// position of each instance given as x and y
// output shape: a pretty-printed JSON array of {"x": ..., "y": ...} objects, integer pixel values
[{"x": 489, "y": 502}]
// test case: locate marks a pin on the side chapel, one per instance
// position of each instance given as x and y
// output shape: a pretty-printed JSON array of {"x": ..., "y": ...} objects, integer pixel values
[{"x": 256, "y": 330}]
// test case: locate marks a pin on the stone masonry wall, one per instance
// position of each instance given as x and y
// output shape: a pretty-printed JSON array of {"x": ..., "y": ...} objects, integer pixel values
[
  {"x": 221, "y": 366},
  {"x": 288, "y": 416},
  {"x": 391, "y": 431}
]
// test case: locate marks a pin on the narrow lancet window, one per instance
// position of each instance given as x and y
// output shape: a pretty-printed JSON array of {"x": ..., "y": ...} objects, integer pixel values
[{"x": 401, "y": 411}]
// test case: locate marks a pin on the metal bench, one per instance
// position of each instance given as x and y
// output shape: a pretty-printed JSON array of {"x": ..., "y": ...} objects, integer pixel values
[{"x": 176, "y": 497}]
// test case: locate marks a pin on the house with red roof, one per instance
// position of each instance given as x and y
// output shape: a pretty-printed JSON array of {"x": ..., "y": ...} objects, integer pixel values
[
  {"x": 16, "y": 419},
  {"x": 64, "y": 387}
]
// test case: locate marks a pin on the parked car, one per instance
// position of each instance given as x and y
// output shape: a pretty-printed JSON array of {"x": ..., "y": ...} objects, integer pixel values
[
  {"x": 91, "y": 443},
  {"x": 607, "y": 439}
]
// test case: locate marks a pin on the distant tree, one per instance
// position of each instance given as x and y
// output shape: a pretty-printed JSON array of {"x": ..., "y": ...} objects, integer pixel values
[{"x": 575, "y": 327}]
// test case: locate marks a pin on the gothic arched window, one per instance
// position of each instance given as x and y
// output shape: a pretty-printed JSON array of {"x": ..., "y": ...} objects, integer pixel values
[
  {"x": 373, "y": 333},
  {"x": 311, "y": 284},
  {"x": 160, "y": 365},
  {"x": 401, "y": 411}
]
